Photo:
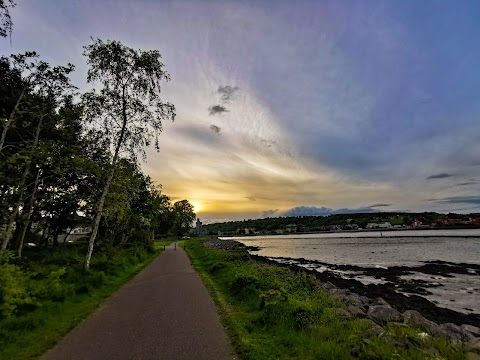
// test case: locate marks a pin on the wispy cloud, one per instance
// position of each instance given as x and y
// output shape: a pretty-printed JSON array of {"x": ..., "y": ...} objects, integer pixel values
[
  {"x": 474, "y": 200},
  {"x": 440, "y": 176},
  {"x": 227, "y": 92}
]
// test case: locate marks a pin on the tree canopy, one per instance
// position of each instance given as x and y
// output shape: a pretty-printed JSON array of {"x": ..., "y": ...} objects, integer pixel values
[{"x": 71, "y": 160}]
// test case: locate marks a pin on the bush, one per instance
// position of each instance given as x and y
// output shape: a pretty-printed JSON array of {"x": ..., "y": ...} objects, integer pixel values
[
  {"x": 243, "y": 285},
  {"x": 14, "y": 289}
]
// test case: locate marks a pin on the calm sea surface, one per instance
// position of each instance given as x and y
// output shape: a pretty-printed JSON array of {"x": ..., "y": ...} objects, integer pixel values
[
  {"x": 408, "y": 248},
  {"x": 389, "y": 248}
]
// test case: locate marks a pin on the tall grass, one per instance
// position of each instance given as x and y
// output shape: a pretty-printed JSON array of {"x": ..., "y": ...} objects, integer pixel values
[
  {"x": 274, "y": 313},
  {"x": 46, "y": 294}
]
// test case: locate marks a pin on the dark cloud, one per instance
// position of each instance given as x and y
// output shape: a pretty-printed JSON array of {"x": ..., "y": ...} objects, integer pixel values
[
  {"x": 216, "y": 129},
  {"x": 269, "y": 213},
  {"x": 439, "y": 176},
  {"x": 227, "y": 92},
  {"x": 379, "y": 205},
  {"x": 268, "y": 143},
  {"x": 474, "y": 199},
  {"x": 217, "y": 109},
  {"x": 323, "y": 211},
  {"x": 467, "y": 183}
]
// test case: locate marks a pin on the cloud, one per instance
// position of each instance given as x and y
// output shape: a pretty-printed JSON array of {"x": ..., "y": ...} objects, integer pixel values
[
  {"x": 217, "y": 109},
  {"x": 474, "y": 200},
  {"x": 269, "y": 213},
  {"x": 472, "y": 182},
  {"x": 324, "y": 211},
  {"x": 227, "y": 92},
  {"x": 439, "y": 176},
  {"x": 379, "y": 205},
  {"x": 216, "y": 129}
]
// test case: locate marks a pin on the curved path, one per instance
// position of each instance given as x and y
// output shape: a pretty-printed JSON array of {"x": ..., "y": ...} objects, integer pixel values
[{"x": 165, "y": 312}]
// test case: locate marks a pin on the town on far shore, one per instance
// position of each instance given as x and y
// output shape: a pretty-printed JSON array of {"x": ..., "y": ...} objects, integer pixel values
[{"x": 340, "y": 222}]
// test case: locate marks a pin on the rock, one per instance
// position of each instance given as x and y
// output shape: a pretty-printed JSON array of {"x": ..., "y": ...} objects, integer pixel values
[
  {"x": 475, "y": 331},
  {"x": 375, "y": 330},
  {"x": 412, "y": 317},
  {"x": 456, "y": 332},
  {"x": 384, "y": 313},
  {"x": 338, "y": 292},
  {"x": 474, "y": 345},
  {"x": 223, "y": 244},
  {"x": 381, "y": 301},
  {"x": 354, "y": 299},
  {"x": 328, "y": 286},
  {"x": 473, "y": 356},
  {"x": 365, "y": 300},
  {"x": 356, "y": 311}
]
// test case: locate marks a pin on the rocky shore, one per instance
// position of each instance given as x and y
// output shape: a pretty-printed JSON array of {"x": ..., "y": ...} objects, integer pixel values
[{"x": 383, "y": 303}]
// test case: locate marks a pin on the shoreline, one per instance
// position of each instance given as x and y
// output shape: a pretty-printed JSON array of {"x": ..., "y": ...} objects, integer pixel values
[{"x": 401, "y": 302}]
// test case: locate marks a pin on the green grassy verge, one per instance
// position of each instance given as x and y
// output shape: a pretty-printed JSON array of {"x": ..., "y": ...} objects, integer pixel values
[
  {"x": 274, "y": 313},
  {"x": 46, "y": 296}
]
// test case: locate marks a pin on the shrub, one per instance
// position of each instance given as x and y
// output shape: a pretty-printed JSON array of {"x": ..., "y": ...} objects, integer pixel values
[{"x": 14, "y": 290}]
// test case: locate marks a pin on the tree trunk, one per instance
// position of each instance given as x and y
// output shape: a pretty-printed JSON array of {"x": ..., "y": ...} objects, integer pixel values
[
  {"x": 11, "y": 221},
  {"x": 101, "y": 203},
  {"x": 66, "y": 236},
  {"x": 43, "y": 233},
  {"x": 11, "y": 119},
  {"x": 29, "y": 214}
]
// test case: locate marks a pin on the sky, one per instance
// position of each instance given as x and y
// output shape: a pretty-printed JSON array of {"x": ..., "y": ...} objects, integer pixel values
[{"x": 295, "y": 108}]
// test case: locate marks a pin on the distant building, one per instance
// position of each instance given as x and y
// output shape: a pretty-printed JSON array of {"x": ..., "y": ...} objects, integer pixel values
[
  {"x": 385, "y": 225},
  {"x": 198, "y": 227}
]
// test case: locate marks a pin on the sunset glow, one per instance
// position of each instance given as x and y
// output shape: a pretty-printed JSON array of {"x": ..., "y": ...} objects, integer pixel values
[{"x": 305, "y": 107}]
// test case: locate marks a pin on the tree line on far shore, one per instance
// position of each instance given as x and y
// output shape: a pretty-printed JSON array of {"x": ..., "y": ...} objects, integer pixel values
[
  {"x": 69, "y": 159},
  {"x": 351, "y": 221}
]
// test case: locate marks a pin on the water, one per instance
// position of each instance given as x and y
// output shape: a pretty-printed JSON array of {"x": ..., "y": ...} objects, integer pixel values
[{"x": 460, "y": 292}]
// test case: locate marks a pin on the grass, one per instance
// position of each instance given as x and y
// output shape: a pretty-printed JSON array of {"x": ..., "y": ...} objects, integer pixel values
[
  {"x": 61, "y": 294},
  {"x": 274, "y": 313}
]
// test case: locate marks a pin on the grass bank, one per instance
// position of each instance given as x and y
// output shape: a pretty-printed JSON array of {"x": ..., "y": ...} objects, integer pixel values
[
  {"x": 46, "y": 294},
  {"x": 274, "y": 313}
]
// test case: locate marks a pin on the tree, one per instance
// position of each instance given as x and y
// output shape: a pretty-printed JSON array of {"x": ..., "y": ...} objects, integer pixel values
[
  {"x": 46, "y": 92},
  {"x": 128, "y": 108},
  {"x": 184, "y": 216},
  {"x": 5, "y": 18}
]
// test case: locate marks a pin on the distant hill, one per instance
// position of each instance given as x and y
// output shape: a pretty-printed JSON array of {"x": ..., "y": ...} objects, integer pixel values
[{"x": 335, "y": 222}]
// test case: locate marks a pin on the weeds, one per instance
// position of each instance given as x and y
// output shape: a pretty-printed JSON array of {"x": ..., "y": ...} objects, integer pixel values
[{"x": 274, "y": 313}]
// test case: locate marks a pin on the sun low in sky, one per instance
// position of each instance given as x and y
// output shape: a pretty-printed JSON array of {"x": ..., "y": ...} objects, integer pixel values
[{"x": 296, "y": 108}]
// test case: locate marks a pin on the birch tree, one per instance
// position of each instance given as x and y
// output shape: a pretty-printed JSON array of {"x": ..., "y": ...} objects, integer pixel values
[{"x": 127, "y": 107}]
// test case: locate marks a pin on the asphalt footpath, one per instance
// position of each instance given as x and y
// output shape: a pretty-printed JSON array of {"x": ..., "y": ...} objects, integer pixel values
[{"x": 164, "y": 312}]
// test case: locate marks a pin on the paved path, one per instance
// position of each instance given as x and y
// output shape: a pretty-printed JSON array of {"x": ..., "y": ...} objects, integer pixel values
[{"x": 165, "y": 312}]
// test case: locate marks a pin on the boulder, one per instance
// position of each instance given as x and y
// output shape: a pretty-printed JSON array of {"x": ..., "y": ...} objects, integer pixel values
[
  {"x": 375, "y": 330},
  {"x": 365, "y": 300},
  {"x": 356, "y": 311},
  {"x": 381, "y": 301},
  {"x": 384, "y": 313},
  {"x": 475, "y": 331},
  {"x": 473, "y": 356},
  {"x": 456, "y": 332},
  {"x": 354, "y": 299},
  {"x": 412, "y": 317},
  {"x": 338, "y": 292},
  {"x": 474, "y": 345}
]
